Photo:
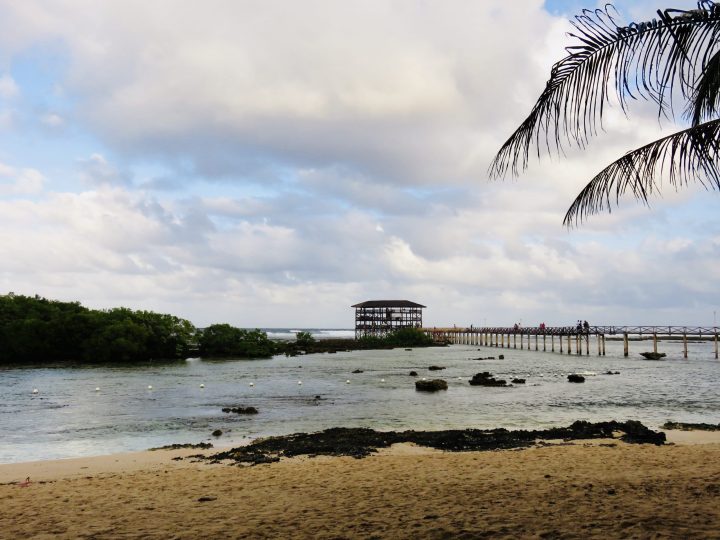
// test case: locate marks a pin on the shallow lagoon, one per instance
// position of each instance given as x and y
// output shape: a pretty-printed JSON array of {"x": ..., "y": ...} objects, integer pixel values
[{"x": 69, "y": 418}]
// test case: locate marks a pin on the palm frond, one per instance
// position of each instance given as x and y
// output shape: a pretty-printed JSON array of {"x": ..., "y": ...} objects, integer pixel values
[
  {"x": 654, "y": 60},
  {"x": 688, "y": 156},
  {"x": 705, "y": 102}
]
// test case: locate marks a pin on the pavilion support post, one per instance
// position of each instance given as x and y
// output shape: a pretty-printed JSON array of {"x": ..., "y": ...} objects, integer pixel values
[
  {"x": 626, "y": 347},
  {"x": 654, "y": 342},
  {"x": 684, "y": 345},
  {"x": 514, "y": 341},
  {"x": 544, "y": 346},
  {"x": 552, "y": 343}
]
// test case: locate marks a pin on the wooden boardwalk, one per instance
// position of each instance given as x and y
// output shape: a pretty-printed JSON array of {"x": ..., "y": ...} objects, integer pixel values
[{"x": 571, "y": 339}]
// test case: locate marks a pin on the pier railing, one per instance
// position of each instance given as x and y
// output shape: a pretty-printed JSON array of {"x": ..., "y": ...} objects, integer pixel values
[{"x": 570, "y": 336}]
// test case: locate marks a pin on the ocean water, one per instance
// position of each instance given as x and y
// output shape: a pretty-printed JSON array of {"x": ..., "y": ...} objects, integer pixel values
[{"x": 69, "y": 418}]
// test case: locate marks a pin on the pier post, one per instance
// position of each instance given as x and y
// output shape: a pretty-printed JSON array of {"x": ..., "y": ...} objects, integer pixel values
[
  {"x": 552, "y": 342},
  {"x": 684, "y": 344},
  {"x": 560, "y": 340},
  {"x": 716, "y": 346},
  {"x": 625, "y": 345},
  {"x": 654, "y": 342},
  {"x": 603, "y": 343},
  {"x": 569, "y": 344},
  {"x": 587, "y": 344},
  {"x": 599, "y": 347},
  {"x": 536, "y": 342},
  {"x": 514, "y": 341},
  {"x": 544, "y": 348}
]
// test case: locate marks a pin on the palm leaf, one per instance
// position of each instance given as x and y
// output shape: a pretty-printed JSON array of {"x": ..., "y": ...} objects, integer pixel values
[
  {"x": 654, "y": 60},
  {"x": 688, "y": 156},
  {"x": 706, "y": 98}
]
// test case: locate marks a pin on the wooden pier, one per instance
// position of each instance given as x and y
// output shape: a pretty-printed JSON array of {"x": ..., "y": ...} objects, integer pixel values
[{"x": 570, "y": 339}]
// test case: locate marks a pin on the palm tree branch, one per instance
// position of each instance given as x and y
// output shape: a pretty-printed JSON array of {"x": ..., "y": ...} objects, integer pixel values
[
  {"x": 690, "y": 155},
  {"x": 651, "y": 60}
]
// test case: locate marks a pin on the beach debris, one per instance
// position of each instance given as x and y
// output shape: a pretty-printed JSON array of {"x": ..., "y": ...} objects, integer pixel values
[
  {"x": 217, "y": 433},
  {"x": 413, "y": 373},
  {"x": 436, "y": 368},
  {"x": 149, "y": 386},
  {"x": 687, "y": 426},
  {"x": 202, "y": 385},
  {"x": 575, "y": 378},
  {"x": 361, "y": 442},
  {"x": 486, "y": 379},
  {"x": 358, "y": 371},
  {"x": 240, "y": 410},
  {"x": 251, "y": 384},
  {"x": 35, "y": 391},
  {"x": 430, "y": 386},
  {"x": 207, "y": 499},
  {"x": 201, "y": 445},
  {"x": 347, "y": 381},
  {"x": 653, "y": 355},
  {"x": 518, "y": 381},
  {"x": 299, "y": 382},
  {"x": 97, "y": 388},
  {"x": 501, "y": 357}
]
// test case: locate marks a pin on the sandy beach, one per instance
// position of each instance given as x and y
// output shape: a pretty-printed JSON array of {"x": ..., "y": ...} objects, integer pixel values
[{"x": 603, "y": 489}]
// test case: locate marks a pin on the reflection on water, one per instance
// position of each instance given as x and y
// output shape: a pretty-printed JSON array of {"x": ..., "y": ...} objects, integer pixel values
[{"x": 68, "y": 417}]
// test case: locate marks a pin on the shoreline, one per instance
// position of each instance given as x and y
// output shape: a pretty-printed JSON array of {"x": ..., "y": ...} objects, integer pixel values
[
  {"x": 560, "y": 489},
  {"x": 132, "y": 462}
]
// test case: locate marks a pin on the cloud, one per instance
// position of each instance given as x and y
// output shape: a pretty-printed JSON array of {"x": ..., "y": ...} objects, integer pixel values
[
  {"x": 96, "y": 170},
  {"x": 8, "y": 88},
  {"x": 14, "y": 182}
]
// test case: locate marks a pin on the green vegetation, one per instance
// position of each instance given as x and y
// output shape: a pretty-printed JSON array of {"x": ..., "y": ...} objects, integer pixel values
[
  {"x": 34, "y": 329},
  {"x": 404, "y": 337},
  {"x": 304, "y": 338},
  {"x": 223, "y": 340}
]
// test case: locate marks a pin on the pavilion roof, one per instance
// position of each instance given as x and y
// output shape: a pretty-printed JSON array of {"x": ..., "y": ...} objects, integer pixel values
[{"x": 387, "y": 304}]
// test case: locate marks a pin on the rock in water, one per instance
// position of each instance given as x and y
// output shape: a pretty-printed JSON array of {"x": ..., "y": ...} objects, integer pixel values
[
  {"x": 413, "y": 374},
  {"x": 358, "y": 371},
  {"x": 574, "y": 377},
  {"x": 518, "y": 381},
  {"x": 217, "y": 433},
  {"x": 653, "y": 355},
  {"x": 436, "y": 368},
  {"x": 431, "y": 386},
  {"x": 240, "y": 410},
  {"x": 501, "y": 357},
  {"x": 486, "y": 379}
]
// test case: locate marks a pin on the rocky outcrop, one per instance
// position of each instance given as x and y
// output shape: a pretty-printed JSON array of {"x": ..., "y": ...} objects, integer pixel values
[
  {"x": 413, "y": 373},
  {"x": 358, "y": 371},
  {"x": 431, "y": 386},
  {"x": 486, "y": 379},
  {"x": 240, "y": 410},
  {"x": 361, "y": 442},
  {"x": 575, "y": 378},
  {"x": 653, "y": 355},
  {"x": 436, "y": 368},
  {"x": 518, "y": 381}
]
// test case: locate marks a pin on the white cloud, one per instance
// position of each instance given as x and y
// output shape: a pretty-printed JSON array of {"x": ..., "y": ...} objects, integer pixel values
[
  {"x": 8, "y": 87},
  {"x": 15, "y": 182}
]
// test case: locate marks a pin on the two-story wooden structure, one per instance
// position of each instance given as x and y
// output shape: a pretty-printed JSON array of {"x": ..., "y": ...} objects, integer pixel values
[{"x": 380, "y": 317}]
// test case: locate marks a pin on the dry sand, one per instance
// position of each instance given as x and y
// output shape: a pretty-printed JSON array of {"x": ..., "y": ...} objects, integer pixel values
[{"x": 604, "y": 489}]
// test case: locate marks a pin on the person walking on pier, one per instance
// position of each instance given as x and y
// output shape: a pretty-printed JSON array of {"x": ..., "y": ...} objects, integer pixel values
[{"x": 586, "y": 327}]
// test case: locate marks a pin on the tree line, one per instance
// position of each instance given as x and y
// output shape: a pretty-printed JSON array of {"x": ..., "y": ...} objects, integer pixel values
[{"x": 37, "y": 330}]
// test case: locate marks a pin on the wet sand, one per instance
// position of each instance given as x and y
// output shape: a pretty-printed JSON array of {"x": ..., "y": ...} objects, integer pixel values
[{"x": 602, "y": 489}]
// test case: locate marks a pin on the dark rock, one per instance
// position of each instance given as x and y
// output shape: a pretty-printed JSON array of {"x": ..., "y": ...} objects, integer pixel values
[
  {"x": 413, "y": 374},
  {"x": 486, "y": 379},
  {"x": 431, "y": 386},
  {"x": 202, "y": 445},
  {"x": 358, "y": 371},
  {"x": 501, "y": 357},
  {"x": 240, "y": 410},
  {"x": 612, "y": 373},
  {"x": 518, "y": 381},
  {"x": 653, "y": 355},
  {"x": 436, "y": 368},
  {"x": 685, "y": 426},
  {"x": 332, "y": 352},
  {"x": 217, "y": 433},
  {"x": 207, "y": 499},
  {"x": 408, "y": 349},
  {"x": 574, "y": 377},
  {"x": 361, "y": 442}
]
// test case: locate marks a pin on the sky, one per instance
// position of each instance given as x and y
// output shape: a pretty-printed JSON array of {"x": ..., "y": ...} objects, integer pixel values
[{"x": 269, "y": 163}]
